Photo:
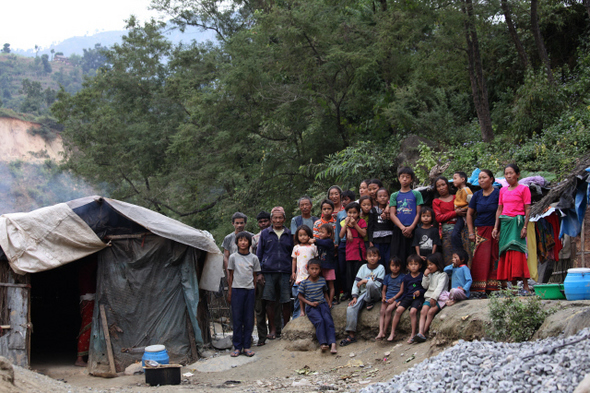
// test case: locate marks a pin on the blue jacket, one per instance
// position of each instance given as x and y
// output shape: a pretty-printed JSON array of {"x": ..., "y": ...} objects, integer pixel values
[
  {"x": 273, "y": 253},
  {"x": 460, "y": 277}
]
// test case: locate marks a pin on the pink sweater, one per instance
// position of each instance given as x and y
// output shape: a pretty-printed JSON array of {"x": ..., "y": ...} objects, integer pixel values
[{"x": 513, "y": 201}]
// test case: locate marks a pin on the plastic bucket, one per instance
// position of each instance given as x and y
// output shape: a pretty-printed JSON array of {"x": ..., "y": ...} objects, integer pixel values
[
  {"x": 157, "y": 353},
  {"x": 577, "y": 284},
  {"x": 549, "y": 291}
]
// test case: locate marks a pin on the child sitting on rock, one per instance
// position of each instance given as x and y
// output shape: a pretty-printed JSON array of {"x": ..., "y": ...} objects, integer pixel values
[
  {"x": 435, "y": 281},
  {"x": 313, "y": 292},
  {"x": 365, "y": 290},
  {"x": 460, "y": 279},
  {"x": 392, "y": 291}
]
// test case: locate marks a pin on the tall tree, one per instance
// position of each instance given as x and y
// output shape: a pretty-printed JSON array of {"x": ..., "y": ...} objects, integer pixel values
[
  {"x": 539, "y": 41},
  {"x": 514, "y": 34},
  {"x": 6, "y": 48}
]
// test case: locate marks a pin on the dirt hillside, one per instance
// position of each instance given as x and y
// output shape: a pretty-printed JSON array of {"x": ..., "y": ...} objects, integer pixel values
[{"x": 18, "y": 144}]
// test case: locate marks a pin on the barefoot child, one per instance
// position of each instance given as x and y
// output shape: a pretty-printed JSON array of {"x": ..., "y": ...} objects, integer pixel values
[
  {"x": 366, "y": 290},
  {"x": 325, "y": 244},
  {"x": 460, "y": 278},
  {"x": 412, "y": 298},
  {"x": 392, "y": 291},
  {"x": 435, "y": 281},
  {"x": 426, "y": 237},
  {"x": 303, "y": 252},
  {"x": 313, "y": 292},
  {"x": 242, "y": 267}
]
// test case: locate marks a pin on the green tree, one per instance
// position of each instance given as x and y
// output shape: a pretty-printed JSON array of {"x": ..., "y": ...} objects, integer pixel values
[
  {"x": 6, "y": 48},
  {"x": 34, "y": 96},
  {"x": 45, "y": 63}
]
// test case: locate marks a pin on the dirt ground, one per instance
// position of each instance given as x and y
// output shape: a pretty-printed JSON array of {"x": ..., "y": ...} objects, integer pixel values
[{"x": 272, "y": 368}]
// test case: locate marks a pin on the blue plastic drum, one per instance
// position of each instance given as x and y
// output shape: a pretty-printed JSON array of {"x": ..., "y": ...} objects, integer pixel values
[
  {"x": 157, "y": 353},
  {"x": 577, "y": 284}
]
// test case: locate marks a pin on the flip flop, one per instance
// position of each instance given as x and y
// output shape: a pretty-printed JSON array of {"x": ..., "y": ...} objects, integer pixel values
[
  {"x": 370, "y": 306},
  {"x": 235, "y": 353},
  {"x": 260, "y": 344},
  {"x": 419, "y": 338},
  {"x": 411, "y": 340},
  {"x": 347, "y": 341},
  {"x": 271, "y": 337},
  {"x": 249, "y": 353}
]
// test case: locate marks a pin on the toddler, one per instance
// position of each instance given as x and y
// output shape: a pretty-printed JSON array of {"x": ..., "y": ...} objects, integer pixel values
[
  {"x": 325, "y": 245},
  {"x": 303, "y": 252},
  {"x": 460, "y": 278},
  {"x": 435, "y": 281},
  {"x": 392, "y": 291}
]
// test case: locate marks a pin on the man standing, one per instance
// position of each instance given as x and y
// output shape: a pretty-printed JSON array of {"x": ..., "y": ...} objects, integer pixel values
[
  {"x": 229, "y": 245},
  {"x": 305, "y": 218},
  {"x": 274, "y": 252}
]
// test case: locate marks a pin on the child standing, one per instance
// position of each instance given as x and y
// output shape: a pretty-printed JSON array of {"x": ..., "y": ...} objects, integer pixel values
[
  {"x": 366, "y": 289},
  {"x": 242, "y": 267},
  {"x": 366, "y": 206},
  {"x": 303, "y": 252},
  {"x": 427, "y": 236},
  {"x": 325, "y": 245},
  {"x": 412, "y": 298},
  {"x": 392, "y": 291},
  {"x": 380, "y": 227},
  {"x": 460, "y": 279},
  {"x": 327, "y": 207},
  {"x": 313, "y": 292},
  {"x": 435, "y": 281},
  {"x": 462, "y": 198},
  {"x": 373, "y": 186},
  {"x": 354, "y": 228},
  {"x": 404, "y": 208}
]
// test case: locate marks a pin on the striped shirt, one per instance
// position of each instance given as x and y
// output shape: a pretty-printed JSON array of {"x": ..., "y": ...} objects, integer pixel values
[{"x": 314, "y": 291}]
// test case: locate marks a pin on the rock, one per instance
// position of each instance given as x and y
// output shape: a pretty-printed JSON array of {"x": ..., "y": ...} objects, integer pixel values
[
  {"x": 576, "y": 312},
  {"x": 224, "y": 343},
  {"x": 207, "y": 353},
  {"x": 584, "y": 386},
  {"x": 577, "y": 322},
  {"x": 302, "y": 344},
  {"x": 6, "y": 370},
  {"x": 302, "y": 382},
  {"x": 134, "y": 368}
]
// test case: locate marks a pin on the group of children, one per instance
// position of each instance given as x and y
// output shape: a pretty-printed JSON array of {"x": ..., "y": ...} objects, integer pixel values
[{"x": 392, "y": 256}]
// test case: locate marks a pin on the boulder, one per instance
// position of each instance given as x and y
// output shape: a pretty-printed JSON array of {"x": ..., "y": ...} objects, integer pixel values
[
  {"x": 224, "y": 343},
  {"x": 464, "y": 320},
  {"x": 567, "y": 317},
  {"x": 577, "y": 322},
  {"x": 302, "y": 345}
]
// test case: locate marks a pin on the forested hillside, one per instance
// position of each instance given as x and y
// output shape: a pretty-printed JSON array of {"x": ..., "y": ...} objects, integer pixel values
[{"x": 299, "y": 95}]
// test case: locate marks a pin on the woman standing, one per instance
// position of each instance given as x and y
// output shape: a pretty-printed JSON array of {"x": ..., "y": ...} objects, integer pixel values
[
  {"x": 446, "y": 216},
  {"x": 512, "y": 217},
  {"x": 335, "y": 195},
  {"x": 484, "y": 267}
]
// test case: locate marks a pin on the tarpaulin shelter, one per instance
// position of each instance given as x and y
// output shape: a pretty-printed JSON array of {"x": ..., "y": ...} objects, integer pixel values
[{"x": 150, "y": 271}]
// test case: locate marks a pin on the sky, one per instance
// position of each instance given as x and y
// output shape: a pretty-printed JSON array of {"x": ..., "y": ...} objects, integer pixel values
[{"x": 25, "y": 24}]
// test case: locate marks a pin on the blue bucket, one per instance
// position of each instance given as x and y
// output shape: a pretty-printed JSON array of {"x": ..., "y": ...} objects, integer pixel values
[
  {"x": 577, "y": 284},
  {"x": 157, "y": 353}
]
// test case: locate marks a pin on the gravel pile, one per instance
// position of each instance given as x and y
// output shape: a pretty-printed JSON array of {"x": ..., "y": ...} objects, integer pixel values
[{"x": 550, "y": 365}]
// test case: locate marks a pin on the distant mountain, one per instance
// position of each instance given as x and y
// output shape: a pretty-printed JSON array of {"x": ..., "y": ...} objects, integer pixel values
[{"x": 76, "y": 45}]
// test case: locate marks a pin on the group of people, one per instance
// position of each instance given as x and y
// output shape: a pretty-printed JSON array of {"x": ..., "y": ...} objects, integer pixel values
[{"x": 382, "y": 248}]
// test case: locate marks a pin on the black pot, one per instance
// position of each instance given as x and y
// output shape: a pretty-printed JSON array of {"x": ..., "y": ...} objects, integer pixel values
[{"x": 164, "y": 374}]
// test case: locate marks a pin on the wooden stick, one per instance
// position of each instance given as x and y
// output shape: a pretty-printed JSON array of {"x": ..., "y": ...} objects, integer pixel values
[{"x": 107, "y": 337}]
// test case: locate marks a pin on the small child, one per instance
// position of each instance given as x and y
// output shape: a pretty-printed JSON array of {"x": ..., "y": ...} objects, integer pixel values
[
  {"x": 366, "y": 206},
  {"x": 366, "y": 289},
  {"x": 380, "y": 227},
  {"x": 303, "y": 252},
  {"x": 354, "y": 228},
  {"x": 460, "y": 278},
  {"x": 412, "y": 297},
  {"x": 327, "y": 207},
  {"x": 392, "y": 290},
  {"x": 313, "y": 292},
  {"x": 325, "y": 245},
  {"x": 462, "y": 198},
  {"x": 427, "y": 236},
  {"x": 404, "y": 208},
  {"x": 435, "y": 281},
  {"x": 242, "y": 267}
]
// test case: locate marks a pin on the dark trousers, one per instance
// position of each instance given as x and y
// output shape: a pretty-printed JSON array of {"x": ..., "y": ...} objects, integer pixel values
[
  {"x": 401, "y": 246},
  {"x": 242, "y": 306},
  {"x": 321, "y": 318},
  {"x": 352, "y": 268},
  {"x": 341, "y": 270},
  {"x": 261, "y": 325},
  {"x": 456, "y": 236},
  {"x": 384, "y": 252}
]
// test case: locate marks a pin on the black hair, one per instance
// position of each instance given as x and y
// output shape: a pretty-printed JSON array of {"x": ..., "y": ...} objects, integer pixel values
[
  {"x": 328, "y": 227},
  {"x": 437, "y": 260},
  {"x": 373, "y": 250},
  {"x": 396, "y": 261},
  {"x": 462, "y": 175},
  {"x": 426, "y": 209},
  {"x": 263, "y": 215},
  {"x": 348, "y": 194},
  {"x": 304, "y": 228},
  {"x": 446, "y": 182},
  {"x": 513, "y": 166},
  {"x": 365, "y": 198},
  {"x": 414, "y": 258},
  {"x": 462, "y": 254},
  {"x": 366, "y": 181},
  {"x": 245, "y": 234},
  {"x": 382, "y": 189},
  {"x": 237, "y": 215},
  {"x": 314, "y": 261},
  {"x": 328, "y": 202},
  {"x": 304, "y": 198},
  {"x": 334, "y": 188},
  {"x": 406, "y": 170},
  {"x": 353, "y": 205},
  {"x": 375, "y": 181},
  {"x": 489, "y": 173}
]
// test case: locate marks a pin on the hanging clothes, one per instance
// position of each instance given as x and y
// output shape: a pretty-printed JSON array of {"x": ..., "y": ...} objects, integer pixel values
[
  {"x": 554, "y": 221},
  {"x": 531, "y": 243}
]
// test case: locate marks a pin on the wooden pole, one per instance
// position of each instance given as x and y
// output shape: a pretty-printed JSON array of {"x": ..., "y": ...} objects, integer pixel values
[{"x": 107, "y": 337}]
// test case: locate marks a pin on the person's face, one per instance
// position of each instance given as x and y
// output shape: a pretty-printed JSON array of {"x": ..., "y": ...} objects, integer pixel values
[
  {"x": 278, "y": 220},
  {"x": 373, "y": 259},
  {"x": 414, "y": 266},
  {"x": 334, "y": 196},
  {"x": 263, "y": 223},
  {"x": 243, "y": 244},
  {"x": 346, "y": 201},
  {"x": 313, "y": 271},
  {"x": 426, "y": 218},
  {"x": 456, "y": 260},
  {"x": 323, "y": 232},
  {"x": 373, "y": 190},
  {"x": 485, "y": 181},
  {"x": 303, "y": 237},
  {"x": 442, "y": 187},
  {"x": 366, "y": 205},
  {"x": 382, "y": 197},
  {"x": 327, "y": 211},
  {"x": 395, "y": 269},
  {"x": 363, "y": 189},
  {"x": 431, "y": 267},
  {"x": 239, "y": 224},
  {"x": 305, "y": 207},
  {"x": 405, "y": 180},
  {"x": 511, "y": 176},
  {"x": 353, "y": 213}
]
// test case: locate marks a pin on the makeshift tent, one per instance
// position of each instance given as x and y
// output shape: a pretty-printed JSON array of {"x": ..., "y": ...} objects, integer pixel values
[{"x": 150, "y": 271}]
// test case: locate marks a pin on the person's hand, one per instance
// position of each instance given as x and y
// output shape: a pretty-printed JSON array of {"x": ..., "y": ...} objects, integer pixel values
[
  {"x": 397, "y": 303},
  {"x": 472, "y": 237},
  {"x": 461, "y": 288},
  {"x": 352, "y": 302},
  {"x": 314, "y": 304},
  {"x": 260, "y": 279},
  {"x": 352, "y": 222},
  {"x": 362, "y": 282},
  {"x": 432, "y": 302},
  {"x": 423, "y": 257},
  {"x": 383, "y": 300},
  {"x": 229, "y": 296},
  {"x": 426, "y": 272},
  {"x": 523, "y": 233},
  {"x": 417, "y": 294},
  {"x": 391, "y": 301},
  {"x": 495, "y": 233},
  {"x": 346, "y": 220},
  {"x": 371, "y": 244},
  {"x": 293, "y": 276}
]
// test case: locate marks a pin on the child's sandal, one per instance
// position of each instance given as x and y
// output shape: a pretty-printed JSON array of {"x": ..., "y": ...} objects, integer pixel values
[
  {"x": 235, "y": 353},
  {"x": 249, "y": 353},
  {"x": 347, "y": 341}
]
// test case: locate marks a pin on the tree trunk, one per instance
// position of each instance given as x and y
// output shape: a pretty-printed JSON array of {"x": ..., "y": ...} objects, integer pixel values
[
  {"x": 519, "y": 47},
  {"x": 539, "y": 40},
  {"x": 587, "y": 5},
  {"x": 478, "y": 83}
]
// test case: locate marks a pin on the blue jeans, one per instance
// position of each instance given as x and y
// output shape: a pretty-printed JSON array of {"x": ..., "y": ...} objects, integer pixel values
[
  {"x": 296, "y": 304},
  {"x": 242, "y": 306},
  {"x": 456, "y": 236},
  {"x": 321, "y": 318}
]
